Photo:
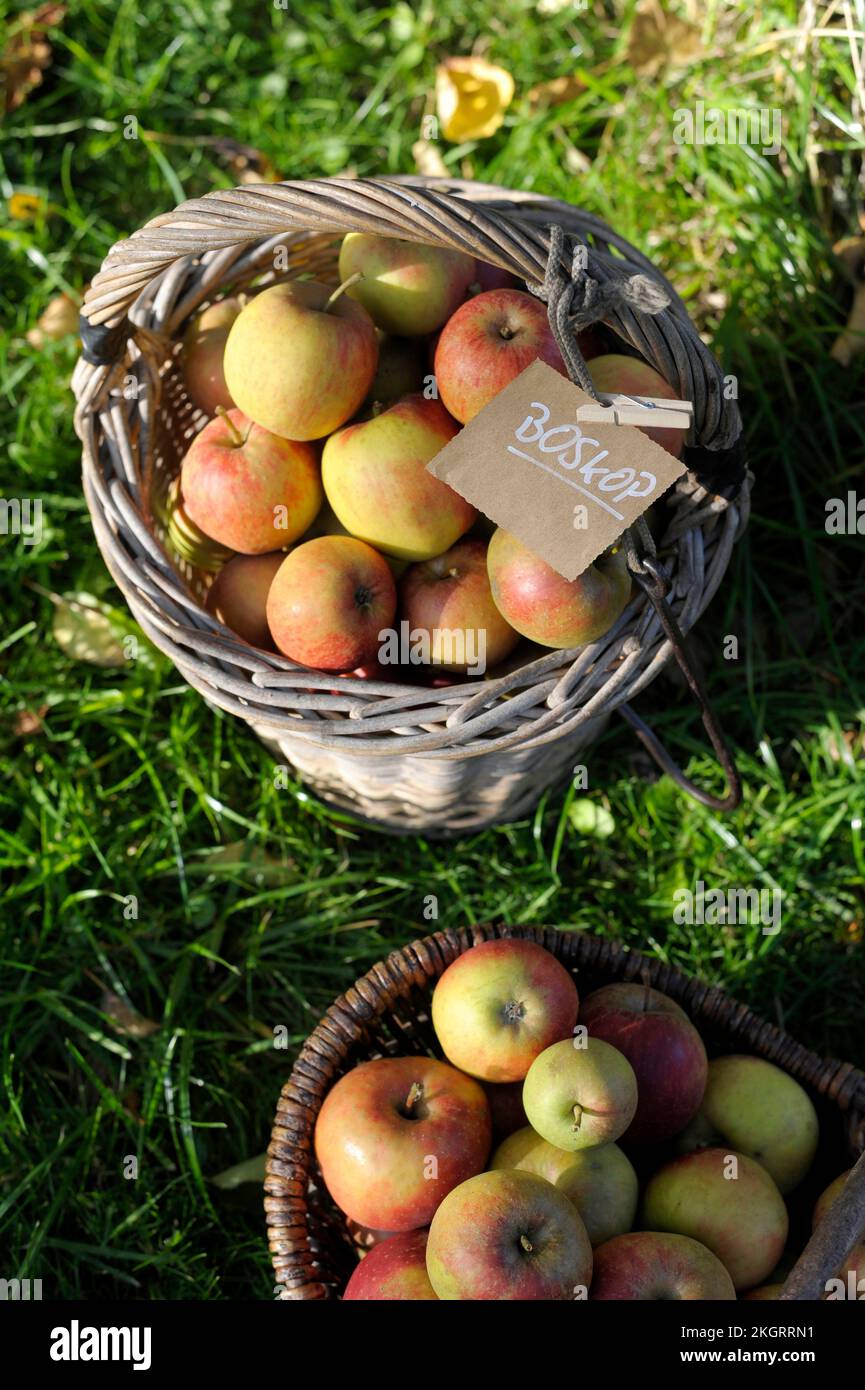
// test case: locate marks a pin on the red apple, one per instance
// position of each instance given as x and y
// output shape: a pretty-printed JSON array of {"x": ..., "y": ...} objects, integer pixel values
[
  {"x": 614, "y": 372},
  {"x": 376, "y": 481},
  {"x": 248, "y": 489},
  {"x": 549, "y": 609},
  {"x": 447, "y": 601},
  {"x": 394, "y": 1136},
  {"x": 408, "y": 288},
  {"x": 300, "y": 359},
  {"x": 329, "y": 601},
  {"x": 486, "y": 344},
  {"x": 506, "y": 1107},
  {"x": 394, "y": 1269},
  {"x": 663, "y": 1047},
  {"x": 654, "y": 1265},
  {"x": 499, "y": 1005},
  {"x": 202, "y": 353},
  {"x": 238, "y": 596},
  {"x": 726, "y": 1201},
  {"x": 508, "y": 1235},
  {"x": 491, "y": 277}
]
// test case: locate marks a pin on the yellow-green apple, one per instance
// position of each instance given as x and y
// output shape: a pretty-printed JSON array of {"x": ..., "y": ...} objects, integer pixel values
[
  {"x": 300, "y": 358},
  {"x": 499, "y": 1005},
  {"x": 508, "y": 1235},
  {"x": 247, "y": 488},
  {"x": 238, "y": 595},
  {"x": 766, "y": 1291},
  {"x": 579, "y": 1093},
  {"x": 600, "y": 1182},
  {"x": 655, "y": 1265},
  {"x": 506, "y": 1107},
  {"x": 486, "y": 344},
  {"x": 852, "y": 1271},
  {"x": 613, "y": 371},
  {"x": 394, "y": 1269},
  {"x": 728, "y": 1202},
  {"x": 394, "y": 1136},
  {"x": 329, "y": 601},
  {"x": 549, "y": 609},
  {"x": 202, "y": 353},
  {"x": 448, "y": 599},
  {"x": 761, "y": 1111},
  {"x": 664, "y": 1048},
  {"x": 408, "y": 288},
  {"x": 375, "y": 477},
  {"x": 401, "y": 369}
]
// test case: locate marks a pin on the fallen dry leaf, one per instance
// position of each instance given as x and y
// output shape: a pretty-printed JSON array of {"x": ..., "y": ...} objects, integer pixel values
[
  {"x": 471, "y": 98},
  {"x": 555, "y": 92},
  {"x": 27, "y": 54},
  {"x": 247, "y": 163},
  {"x": 123, "y": 1018},
  {"x": 28, "y": 721},
  {"x": 851, "y": 341},
  {"x": 660, "y": 40},
  {"x": 58, "y": 320},
  {"x": 428, "y": 160},
  {"x": 84, "y": 631}
]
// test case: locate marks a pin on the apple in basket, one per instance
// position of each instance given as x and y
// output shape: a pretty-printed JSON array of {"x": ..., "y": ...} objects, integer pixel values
[
  {"x": 395, "y": 1135},
  {"x": 202, "y": 353},
  {"x": 579, "y": 1093},
  {"x": 328, "y": 602},
  {"x": 238, "y": 595},
  {"x": 375, "y": 478},
  {"x": 498, "y": 1005},
  {"x": 508, "y": 1235},
  {"x": 613, "y": 372},
  {"x": 248, "y": 489},
  {"x": 549, "y": 609},
  {"x": 448, "y": 601},
  {"x": 658, "y": 1266},
  {"x": 394, "y": 1269},
  {"x": 599, "y": 1181},
  {"x": 300, "y": 358},
  {"x": 407, "y": 287}
]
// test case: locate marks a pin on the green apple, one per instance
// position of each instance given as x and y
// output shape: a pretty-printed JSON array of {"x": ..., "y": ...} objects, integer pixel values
[
  {"x": 579, "y": 1093},
  {"x": 407, "y": 287},
  {"x": 761, "y": 1111},
  {"x": 600, "y": 1182}
]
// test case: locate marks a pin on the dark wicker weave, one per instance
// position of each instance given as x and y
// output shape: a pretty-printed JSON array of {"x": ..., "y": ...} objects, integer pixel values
[
  {"x": 448, "y": 760},
  {"x": 387, "y": 1012}
]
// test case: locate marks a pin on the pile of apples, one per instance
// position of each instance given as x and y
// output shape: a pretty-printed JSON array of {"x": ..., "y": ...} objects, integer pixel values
[
  {"x": 577, "y": 1099},
  {"x": 327, "y": 404}
]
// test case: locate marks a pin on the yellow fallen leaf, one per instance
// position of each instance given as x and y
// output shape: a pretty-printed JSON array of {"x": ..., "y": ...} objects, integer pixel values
[
  {"x": 659, "y": 40},
  {"x": 471, "y": 98},
  {"x": 555, "y": 92},
  {"x": 84, "y": 631},
  {"x": 58, "y": 320},
  {"x": 26, "y": 207}
]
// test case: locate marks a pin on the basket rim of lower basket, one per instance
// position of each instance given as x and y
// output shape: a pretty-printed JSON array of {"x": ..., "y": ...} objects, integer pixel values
[{"x": 423, "y": 960}]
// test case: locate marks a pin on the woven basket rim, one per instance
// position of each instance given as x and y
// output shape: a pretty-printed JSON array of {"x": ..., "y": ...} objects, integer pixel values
[
  {"x": 545, "y": 698},
  {"x": 290, "y": 1165}
]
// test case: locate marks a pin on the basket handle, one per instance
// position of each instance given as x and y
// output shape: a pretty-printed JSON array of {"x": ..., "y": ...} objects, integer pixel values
[
  {"x": 841, "y": 1229},
  {"x": 652, "y": 578}
]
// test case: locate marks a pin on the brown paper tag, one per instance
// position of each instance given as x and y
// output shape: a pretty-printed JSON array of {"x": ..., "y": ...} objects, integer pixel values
[{"x": 567, "y": 490}]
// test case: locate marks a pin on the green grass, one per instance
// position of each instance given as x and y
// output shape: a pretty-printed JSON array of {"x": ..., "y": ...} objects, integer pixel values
[{"x": 133, "y": 787}]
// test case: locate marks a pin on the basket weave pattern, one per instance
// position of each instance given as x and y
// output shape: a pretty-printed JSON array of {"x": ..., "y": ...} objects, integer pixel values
[
  {"x": 443, "y": 750},
  {"x": 387, "y": 1013}
]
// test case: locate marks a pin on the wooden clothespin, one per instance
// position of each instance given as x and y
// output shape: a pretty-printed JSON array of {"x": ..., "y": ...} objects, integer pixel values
[{"x": 618, "y": 409}]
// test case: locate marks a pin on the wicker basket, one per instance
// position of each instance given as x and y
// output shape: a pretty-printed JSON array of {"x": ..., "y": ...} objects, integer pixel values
[
  {"x": 387, "y": 1012},
  {"x": 446, "y": 760}
]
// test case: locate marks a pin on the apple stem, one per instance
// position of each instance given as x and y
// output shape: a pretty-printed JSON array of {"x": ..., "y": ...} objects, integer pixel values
[
  {"x": 415, "y": 1094},
  {"x": 578, "y": 1116},
  {"x": 346, "y": 285},
  {"x": 237, "y": 439},
  {"x": 526, "y": 1244}
]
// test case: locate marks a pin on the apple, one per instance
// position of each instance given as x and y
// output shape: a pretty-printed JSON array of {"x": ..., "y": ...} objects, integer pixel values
[
  {"x": 407, "y": 287},
  {"x": 728, "y": 1202},
  {"x": 600, "y": 1182},
  {"x": 759, "y": 1110},
  {"x": 855, "y": 1261},
  {"x": 507, "y": 1235},
  {"x": 656, "y": 1265},
  {"x": 394, "y": 1269},
  {"x": 300, "y": 358},
  {"x": 238, "y": 595},
  {"x": 506, "y": 1107},
  {"x": 491, "y": 277},
  {"x": 248, "y": 489},
  {"x": 375, "y": 478},
  {"x": 401, "y": 369},
  {"x": 765, "y": 1291},
  {"x": 549, "y": 609},
  {"x": 663, "y": 1047},
  {"x": 202, "y": 353},
  {"x": 487, "y": 343},
  {"x": 394, "y": 1136},
  {"x": 613, "y": 371},
  {"x": 499, "y": 1005},
  {"x": 449, "y": 599},
  {"x": 579, "y": 1093},
  {"x": 328, "y": 602}
]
